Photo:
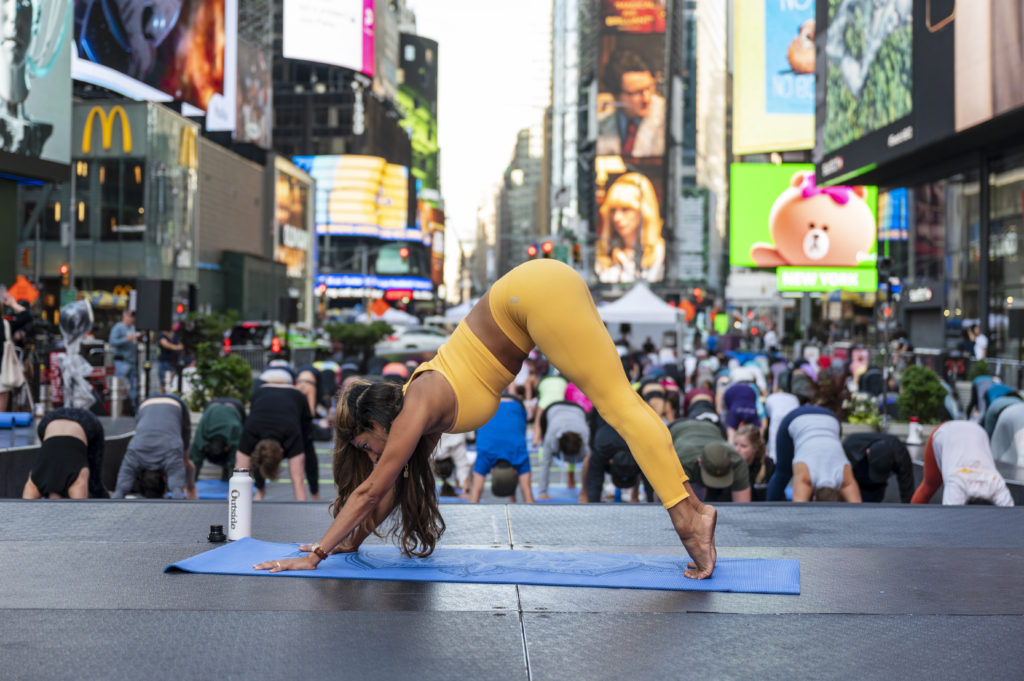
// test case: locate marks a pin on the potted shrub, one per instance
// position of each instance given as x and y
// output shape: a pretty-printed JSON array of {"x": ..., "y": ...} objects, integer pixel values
[{"x": 921, "y": 394}]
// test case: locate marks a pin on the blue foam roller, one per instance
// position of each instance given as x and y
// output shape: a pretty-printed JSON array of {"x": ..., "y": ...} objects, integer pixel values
[{"x": 15, "y": 419}]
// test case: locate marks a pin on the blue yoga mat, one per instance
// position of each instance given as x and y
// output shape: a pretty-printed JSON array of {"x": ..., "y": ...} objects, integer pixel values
[
  {"x": 500, "y": 566},
  {"x": 214, "y": 489}
]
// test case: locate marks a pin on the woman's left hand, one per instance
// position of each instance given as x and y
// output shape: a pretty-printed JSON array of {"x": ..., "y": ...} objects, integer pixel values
[{"x": 307, "y": 562}]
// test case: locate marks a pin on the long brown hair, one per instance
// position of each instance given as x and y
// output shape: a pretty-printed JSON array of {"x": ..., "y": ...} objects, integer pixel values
[
  {"x": 360, "y": 405},
  {"x": 753, "y": 435}
]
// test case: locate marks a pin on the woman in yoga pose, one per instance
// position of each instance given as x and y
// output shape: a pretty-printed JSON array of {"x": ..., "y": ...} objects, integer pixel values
[{"x": 384, "y": 438}]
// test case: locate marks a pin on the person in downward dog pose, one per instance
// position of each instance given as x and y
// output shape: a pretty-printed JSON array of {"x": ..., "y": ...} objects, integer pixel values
[{"x": 384, "y": 433}]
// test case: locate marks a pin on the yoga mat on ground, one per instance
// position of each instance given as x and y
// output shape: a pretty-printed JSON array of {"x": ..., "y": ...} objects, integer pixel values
[
  {"x": 213, "y": 489},
  {"x": 501, "y": 566}
]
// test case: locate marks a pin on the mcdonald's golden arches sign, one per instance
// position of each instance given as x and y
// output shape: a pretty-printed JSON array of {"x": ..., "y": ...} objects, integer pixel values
[{"x": 107, "y": 120}]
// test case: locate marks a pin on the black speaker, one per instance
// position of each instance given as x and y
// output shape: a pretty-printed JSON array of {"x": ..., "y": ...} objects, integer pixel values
[
  {"x": 153, "y": 304},
  {"x": 1016, "y": 319},
  {"x": 287, "y": 310}
]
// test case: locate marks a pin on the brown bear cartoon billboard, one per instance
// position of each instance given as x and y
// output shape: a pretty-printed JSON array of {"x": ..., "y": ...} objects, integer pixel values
[{"x": 814, "y": 226}]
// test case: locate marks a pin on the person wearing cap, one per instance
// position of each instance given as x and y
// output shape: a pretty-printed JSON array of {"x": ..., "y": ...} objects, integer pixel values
[
  {"x": 711, "y": 462},
  {"x": 811, "y": 454},
  {"x": 502, "y": 439},
  {"x": 875, "y": 457},
  {"x": 217, "y": 435},
  {"x": 610, "y": 456},
  {"x": 958, "y": 459}
]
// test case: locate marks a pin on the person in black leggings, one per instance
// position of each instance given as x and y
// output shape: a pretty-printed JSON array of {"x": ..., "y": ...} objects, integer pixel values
[
  {"x": 279, "y": 427},
  {"x": 70, "y": 460}
]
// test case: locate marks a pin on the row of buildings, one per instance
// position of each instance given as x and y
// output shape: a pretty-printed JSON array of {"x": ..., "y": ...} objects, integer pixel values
[
  {"x": 913, "y": 105},
  {"x": 277, "y": 170}
]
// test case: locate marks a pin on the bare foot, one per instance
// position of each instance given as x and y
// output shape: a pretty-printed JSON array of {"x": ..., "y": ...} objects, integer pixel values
[{"x": 695, "y": 525}]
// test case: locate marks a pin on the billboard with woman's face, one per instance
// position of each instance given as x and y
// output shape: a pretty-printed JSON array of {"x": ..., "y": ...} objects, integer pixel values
[
  {"x": 631, "y": 115},
  {"x": 35, "y": 87}
]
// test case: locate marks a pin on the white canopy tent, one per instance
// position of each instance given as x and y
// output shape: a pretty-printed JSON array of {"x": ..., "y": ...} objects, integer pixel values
[
  {"x": 457, "y": 312},
  {"x": 391, "y": 316},
  {"x": 646, "y": 313}
]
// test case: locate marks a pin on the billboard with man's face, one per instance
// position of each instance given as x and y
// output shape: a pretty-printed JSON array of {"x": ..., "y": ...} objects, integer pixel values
[
  {"x": 630, "y": 165},
  {"x": 35, "y": 88}
]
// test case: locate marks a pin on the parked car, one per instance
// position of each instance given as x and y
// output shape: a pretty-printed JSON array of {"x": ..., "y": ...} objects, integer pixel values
[{"x": 411, "y": 340}]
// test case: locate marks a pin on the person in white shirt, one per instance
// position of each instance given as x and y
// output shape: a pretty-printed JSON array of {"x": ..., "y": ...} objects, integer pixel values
[
  {"x": 980, "y": 343},
  {"x": 957, "y": 458}
]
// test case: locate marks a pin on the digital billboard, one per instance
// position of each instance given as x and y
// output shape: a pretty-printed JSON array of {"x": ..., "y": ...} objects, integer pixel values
[
  {"x": 35, "y": 119},
  {"x": 630, "y": 163},
  {"x": 417, "y": 99},
  {"x": 360, "y": 196},
  {"x": 818, "y": 238},
  {"x": 773, "y": 76},
  {"x": 292, "y": 235},
  {"x": 161, "y": 51},
  {"x": 431, "y": 221},
  {"x": 335, "y": 32},
  {"x": 900, "y": 75},
  {"x": 255, "y": 96}
]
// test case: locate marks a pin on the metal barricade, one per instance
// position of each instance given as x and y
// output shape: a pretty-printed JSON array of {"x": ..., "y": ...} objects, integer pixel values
[
  {"x": 255, "y": 355},
  {"x": 303, "y": 356}
]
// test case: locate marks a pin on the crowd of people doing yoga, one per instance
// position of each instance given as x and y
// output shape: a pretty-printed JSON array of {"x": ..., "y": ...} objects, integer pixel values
[{"x": 533, "y": 366}]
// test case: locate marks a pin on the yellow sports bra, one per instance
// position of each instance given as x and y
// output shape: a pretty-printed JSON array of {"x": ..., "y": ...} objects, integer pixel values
[{"x": 476, "y": 376}]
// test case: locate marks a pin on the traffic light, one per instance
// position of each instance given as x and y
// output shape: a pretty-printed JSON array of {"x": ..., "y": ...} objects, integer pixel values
[
  {"x": 547, "y": 247},
  {"x": 179, "y": 308},
  {"x": 321, "y": 289},
  {"x": 275, "y": 346},
  {"x": 577, "y": 254},
  {"x": 65, "y": 275},
  {"x": 531, "y": 250},
  {"x": 403, "y": 252}
]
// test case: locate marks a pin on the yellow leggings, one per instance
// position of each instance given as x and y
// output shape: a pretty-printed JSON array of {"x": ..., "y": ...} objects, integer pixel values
[{"x": 547, "y": 304}]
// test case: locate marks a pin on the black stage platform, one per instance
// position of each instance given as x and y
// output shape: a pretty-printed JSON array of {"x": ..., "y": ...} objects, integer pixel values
[{"x": 888, "y": 592}]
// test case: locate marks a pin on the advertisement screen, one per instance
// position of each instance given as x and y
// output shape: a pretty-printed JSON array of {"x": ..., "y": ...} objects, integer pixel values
[
  {"x": 631, "y": 114},
  {"x": 773, "y": 83},
  {"x": 360, "y": 196},
  {"x": 335, "y": 32},
  {"x": 417, "y": 99},
  {"x": 292, "y": 238},
  {"x": 431, "y": 221},
  {"x": 161, "y": 51},
  {"x": 901, "y": 75},
  {"x": 35, "y": 120},
  {"x": 816, "y": 236},
  {"x": 255, "y": 96}
]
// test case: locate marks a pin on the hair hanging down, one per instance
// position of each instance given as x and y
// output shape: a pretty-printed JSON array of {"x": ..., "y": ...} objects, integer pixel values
[
  {"x": 360, "y": 405},
  {"x": 827, "y": 494},
  {"x": 753, "y": 435},
  {"x": 266, "y": 457},
  {"x": 570, "y": 444}
]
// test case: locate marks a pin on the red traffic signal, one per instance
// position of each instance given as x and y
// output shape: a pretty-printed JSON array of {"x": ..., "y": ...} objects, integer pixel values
[
  {"x": 180, "y": 309},
  {"x": 547, "y": 247},
  {"x": 275, "y": 345},
  {"x": 321, "y": 289},
  {"x": 404, "y": 252},
  {"x": 64, "y": 269},
  {"x": 531, "y": 250}
]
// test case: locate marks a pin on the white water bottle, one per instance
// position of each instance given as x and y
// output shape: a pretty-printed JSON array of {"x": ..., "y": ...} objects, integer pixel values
[{"x": 240, "y": 505}]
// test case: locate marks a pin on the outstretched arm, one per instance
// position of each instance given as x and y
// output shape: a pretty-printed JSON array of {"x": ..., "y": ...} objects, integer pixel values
[
  {"x": 849, "y": 490},
  {"x": 423, "y": 409},
  {"x": 932, "y": 475}
]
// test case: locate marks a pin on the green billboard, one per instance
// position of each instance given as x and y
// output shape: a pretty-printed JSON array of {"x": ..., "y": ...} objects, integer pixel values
[{"x": 780, "y": 218}]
